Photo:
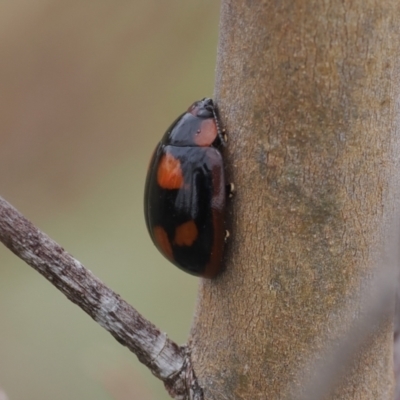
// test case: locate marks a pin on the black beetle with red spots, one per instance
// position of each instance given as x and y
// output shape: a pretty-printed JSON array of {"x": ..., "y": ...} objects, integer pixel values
[{"x": 185, "y": 193}]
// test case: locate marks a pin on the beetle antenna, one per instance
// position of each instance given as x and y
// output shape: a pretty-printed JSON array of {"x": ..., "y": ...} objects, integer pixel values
[{"x": 223, "y": 138}]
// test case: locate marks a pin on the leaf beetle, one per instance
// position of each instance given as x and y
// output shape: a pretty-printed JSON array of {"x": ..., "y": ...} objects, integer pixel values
[{"x": 185, "y": 192}]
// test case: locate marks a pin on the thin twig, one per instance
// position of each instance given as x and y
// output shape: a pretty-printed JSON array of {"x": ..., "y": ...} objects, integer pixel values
[{"x": 165, "y": 359}]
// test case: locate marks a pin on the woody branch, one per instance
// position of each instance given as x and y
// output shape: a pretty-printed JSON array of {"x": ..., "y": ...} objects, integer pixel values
[{"x": 165, "y": 359}]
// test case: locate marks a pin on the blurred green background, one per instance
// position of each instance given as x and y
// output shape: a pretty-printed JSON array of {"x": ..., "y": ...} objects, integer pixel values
[{"x": 87, "y": 90}]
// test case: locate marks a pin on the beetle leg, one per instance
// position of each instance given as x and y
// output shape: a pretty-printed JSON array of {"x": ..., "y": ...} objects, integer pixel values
[
  {"x": 224, "y": 136},
  {"x": 230, "y": 190},
  {"x": 227, "y": 234}
]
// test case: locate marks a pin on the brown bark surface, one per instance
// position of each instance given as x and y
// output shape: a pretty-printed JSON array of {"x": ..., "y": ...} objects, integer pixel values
[{"x": 307, "y": 91}]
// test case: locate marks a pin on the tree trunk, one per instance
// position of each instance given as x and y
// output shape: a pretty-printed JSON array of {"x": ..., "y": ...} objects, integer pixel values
[{"x": 307, "y": 92}]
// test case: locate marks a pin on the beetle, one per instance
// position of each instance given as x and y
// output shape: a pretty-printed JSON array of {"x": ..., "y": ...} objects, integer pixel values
[{"x": 185, "y": 192}]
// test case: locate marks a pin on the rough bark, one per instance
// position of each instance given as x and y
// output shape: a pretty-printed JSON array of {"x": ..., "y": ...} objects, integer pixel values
[{"x": 307, "y": 91}]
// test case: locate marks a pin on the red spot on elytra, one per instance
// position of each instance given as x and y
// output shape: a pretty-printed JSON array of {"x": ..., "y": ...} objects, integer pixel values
[
  {"x": 186, "y": 234},
  {"x": 161, "y": 238},
  {"x": 169, "y": 173}
]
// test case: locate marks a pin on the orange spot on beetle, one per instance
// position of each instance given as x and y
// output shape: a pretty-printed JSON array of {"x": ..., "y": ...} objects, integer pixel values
[
  {"x": 161, "y": 238},
  {"x": 169, "y": 173},
  {"x": 186, "y": 234},
  {"x": 207, "y": 133}
]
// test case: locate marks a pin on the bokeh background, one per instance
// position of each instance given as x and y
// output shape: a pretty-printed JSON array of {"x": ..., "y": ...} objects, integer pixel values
[{"x": 86, "y": 91}]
